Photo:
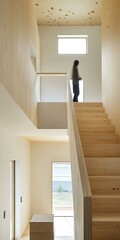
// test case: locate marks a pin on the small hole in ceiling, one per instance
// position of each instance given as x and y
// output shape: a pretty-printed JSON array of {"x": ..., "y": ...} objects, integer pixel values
[
  {"x": 52, "y": 8},
  {"x": 92, "y": 11},
  {"x": 37, "y": 4},
  {"x": 60, "y": 9}
]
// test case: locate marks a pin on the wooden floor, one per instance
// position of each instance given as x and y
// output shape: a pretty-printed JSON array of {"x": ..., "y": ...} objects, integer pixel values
[
  {"x": 101, "y": 150},
  {"x": 25, "y": 235},
  {"x": 65, "y": 230}
]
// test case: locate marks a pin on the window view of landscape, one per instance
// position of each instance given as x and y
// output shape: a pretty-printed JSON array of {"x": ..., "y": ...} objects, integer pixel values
[
  {"x": 62, "y": 200},
  {"x": 62, "y": 190}
]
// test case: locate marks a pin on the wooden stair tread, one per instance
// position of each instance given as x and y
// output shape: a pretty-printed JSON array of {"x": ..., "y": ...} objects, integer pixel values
[
  {"x": 96, "y": 132},
  {"x": 104, "y": 159},
  {"x": 95, "y": 126},
  {"x": 105, "y": 177},
  {"x": 93, "y": 121},
  {"x": 103, "y": 145},
  {"x": 110, "y": 196},
  {"x": 89, "y": 109},
  {"x": 90, "y": 134},
  {"x": 90, "y": 104},
  {"x": 106, "y": 217}
]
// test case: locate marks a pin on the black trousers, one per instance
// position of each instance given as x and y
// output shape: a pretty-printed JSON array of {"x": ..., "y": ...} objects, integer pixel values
[{"x": 76, "y": 92}]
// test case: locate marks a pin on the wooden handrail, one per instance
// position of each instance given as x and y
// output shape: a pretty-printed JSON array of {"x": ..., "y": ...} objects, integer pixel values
[
  {"x": 82, "y": 196},
  {"x": 54, "y": 74}
]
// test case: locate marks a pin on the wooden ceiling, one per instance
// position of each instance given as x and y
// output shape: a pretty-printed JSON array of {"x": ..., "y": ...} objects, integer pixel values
[{"x": 68, "y": 12}]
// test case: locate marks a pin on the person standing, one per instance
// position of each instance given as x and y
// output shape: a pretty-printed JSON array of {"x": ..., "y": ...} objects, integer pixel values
[{"x": 75, "y": 78}]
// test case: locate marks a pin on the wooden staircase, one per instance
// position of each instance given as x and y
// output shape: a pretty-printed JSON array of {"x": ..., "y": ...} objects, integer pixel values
[{"x": 101, "y": 150}]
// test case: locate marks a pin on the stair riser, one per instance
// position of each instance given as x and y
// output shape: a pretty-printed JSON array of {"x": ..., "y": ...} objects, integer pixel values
[
  {"x": 96, "y": 129},
  {"x": 97, "y": 139},
  {"x": 101, "y": 150},
  {"x": 93, "y": 122},
  {"x": 102, "y": 186},
  {"x": 91, "y": 115},
  {"x": 103, "y": 166},
  {"x": 88, "y": 104},
  {"x": 106, "y": 231},
  {"x": 89, "y": 109},
  {"x": 106, "y": 205}
]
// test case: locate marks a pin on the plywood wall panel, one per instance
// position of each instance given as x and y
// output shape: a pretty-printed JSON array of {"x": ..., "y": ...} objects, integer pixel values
[
  {"x": 111, "y": 59},
  {"x": 19, "y": 41}
]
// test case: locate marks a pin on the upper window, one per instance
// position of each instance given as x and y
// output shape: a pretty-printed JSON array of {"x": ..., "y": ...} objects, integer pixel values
[{"x": 72, "y": 44}]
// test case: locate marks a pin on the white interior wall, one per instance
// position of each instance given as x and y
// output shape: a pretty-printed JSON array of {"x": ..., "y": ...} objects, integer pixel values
[
  {"x": 89, "y": 67},
  {"x": 55, "y": 112},
  {"x": 18, "y": 149},
  {"x": 14, "y": 124},
  {"x": 14, "y": 121},
  {"x": 43, "y": 154}
]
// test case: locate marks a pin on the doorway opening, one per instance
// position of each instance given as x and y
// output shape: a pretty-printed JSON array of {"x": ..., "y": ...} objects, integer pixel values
[
  {"x": 62, "y": 200},
  {"x": 12, "y": 200}
]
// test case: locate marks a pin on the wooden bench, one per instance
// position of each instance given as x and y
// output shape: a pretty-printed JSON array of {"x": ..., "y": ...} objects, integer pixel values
[{"x": 42, "y": 227}]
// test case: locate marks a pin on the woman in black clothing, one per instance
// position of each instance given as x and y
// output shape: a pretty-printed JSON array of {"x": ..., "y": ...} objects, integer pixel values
[{"x": 75, "y": 78}]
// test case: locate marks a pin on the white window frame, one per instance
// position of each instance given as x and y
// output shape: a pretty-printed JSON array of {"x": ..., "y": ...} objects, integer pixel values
[{"x": 69, "y": 47}]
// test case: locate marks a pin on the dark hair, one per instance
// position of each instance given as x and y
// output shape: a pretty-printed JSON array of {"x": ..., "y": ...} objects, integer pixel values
[{"x": 76, "y": 62}]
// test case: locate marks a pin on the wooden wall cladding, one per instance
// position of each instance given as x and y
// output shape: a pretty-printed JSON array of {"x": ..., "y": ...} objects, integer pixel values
[
  {"x": 19, "y": 42},
  {"x": 111, "y": 59}
]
